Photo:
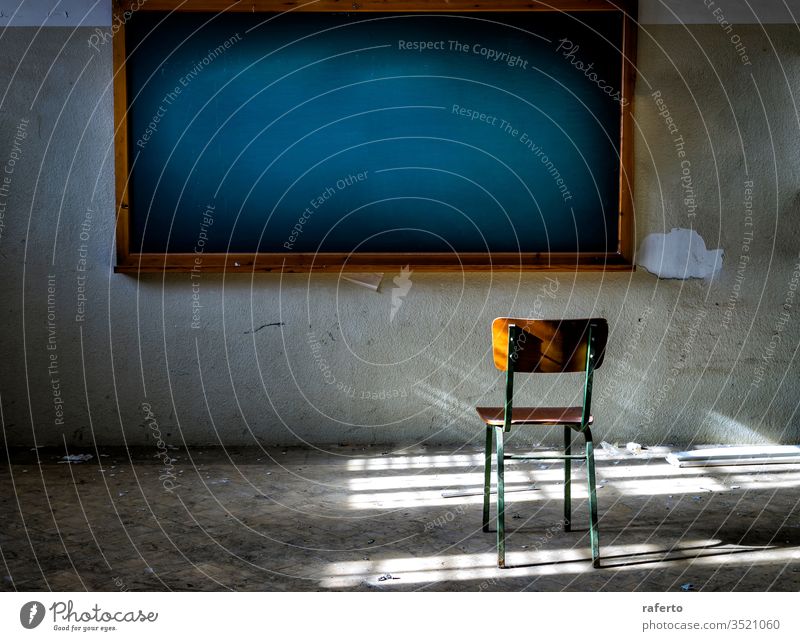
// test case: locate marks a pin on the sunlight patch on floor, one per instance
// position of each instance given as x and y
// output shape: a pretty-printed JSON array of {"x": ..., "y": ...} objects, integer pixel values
[
  {"x": 563, "y": 561},
  {"x": 412, "y": 462}
]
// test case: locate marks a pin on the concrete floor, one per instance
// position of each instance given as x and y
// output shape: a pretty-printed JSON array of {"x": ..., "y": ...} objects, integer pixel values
[{"x": 375, "y": 519}]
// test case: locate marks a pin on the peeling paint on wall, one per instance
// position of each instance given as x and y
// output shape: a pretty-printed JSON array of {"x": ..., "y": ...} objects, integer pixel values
[
  {"x": 680, "y": 254},
  {"x": 55, "y": 13}
]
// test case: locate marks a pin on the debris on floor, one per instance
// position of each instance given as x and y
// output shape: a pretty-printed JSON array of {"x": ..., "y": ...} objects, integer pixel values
[
  {"x": 687, "y": 587},
  {"x": 736, "y": 455},
  {"x": 387, "y": 577},
  {"x": 610, "y": 449},
  {"x": 76, "y": 458},
  {"x": 634, "y": 448}
]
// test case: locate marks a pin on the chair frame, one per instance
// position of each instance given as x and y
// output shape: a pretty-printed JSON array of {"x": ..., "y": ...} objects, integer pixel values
[{"x": 514, "y": 332}]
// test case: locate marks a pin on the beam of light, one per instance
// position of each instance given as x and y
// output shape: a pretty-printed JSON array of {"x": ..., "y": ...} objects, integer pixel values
[
  {"x": 388, "y": 493},
  {"x": 434, "y": 498},
  {"x": 412, "y": 462},
  {"x": 474, "y": 480},
  {"x": 733, "y": 431},
  {"x": 482, "y": 567}
]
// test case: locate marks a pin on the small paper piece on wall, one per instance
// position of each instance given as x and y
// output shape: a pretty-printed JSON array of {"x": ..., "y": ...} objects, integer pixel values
[
  {"x": 680, "y": 254},
  {"x": 370, "y": 281}
]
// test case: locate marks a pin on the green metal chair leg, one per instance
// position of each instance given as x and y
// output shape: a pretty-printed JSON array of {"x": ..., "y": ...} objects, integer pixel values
[
  {"x": 594, "y": 533},
  {"x": 487, "y": 478},
  {"x": 501, "y": 501},
  {"x": 567, "y": 480}
]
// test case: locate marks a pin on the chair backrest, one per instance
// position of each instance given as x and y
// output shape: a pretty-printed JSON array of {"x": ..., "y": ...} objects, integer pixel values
[{"x": 549, "y": 346}]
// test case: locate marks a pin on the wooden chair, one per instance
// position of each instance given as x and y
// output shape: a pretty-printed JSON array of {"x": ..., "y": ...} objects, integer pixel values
[{"x": 544, "y": 347}]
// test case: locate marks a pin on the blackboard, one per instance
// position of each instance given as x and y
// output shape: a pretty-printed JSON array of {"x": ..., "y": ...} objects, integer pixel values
[{"x": 348, "y": 133}]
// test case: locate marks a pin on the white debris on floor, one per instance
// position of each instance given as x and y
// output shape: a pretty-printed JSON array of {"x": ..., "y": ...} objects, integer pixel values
[
  {"x": 76, "y": 458},
  {"x": 736, "y": 455}
]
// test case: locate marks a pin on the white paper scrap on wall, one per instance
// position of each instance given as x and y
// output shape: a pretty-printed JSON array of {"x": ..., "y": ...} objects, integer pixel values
[{"x": 681, "y": 254}]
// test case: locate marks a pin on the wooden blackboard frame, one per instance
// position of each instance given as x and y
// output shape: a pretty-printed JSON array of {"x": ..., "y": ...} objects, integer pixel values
[{"x": 132, "y": 262}]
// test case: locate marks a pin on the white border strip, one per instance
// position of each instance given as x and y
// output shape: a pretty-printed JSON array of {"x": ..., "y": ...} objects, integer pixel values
[{"x": 678, "y": 614}]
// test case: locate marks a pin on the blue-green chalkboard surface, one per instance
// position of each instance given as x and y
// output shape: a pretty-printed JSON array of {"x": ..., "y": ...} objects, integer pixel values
[{"x": 374, "y": 132}]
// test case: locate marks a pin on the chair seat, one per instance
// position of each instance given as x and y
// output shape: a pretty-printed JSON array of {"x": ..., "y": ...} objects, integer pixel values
[{"x": 533, "y": 415}]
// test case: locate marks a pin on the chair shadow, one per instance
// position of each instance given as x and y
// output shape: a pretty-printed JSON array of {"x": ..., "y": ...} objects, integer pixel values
[{"x": 674, "y": 554}]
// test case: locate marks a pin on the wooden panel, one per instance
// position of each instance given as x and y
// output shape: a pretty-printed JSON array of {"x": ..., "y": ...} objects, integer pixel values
[
  {"x": 549, "y": 346},
  {"x": 375, "y": 5},
  {"x": 289, "y": 263},
  {"x": 627, "y": 227},
  {"x": 121, "y": 147},
  {"x": 533, "y": 415}
]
